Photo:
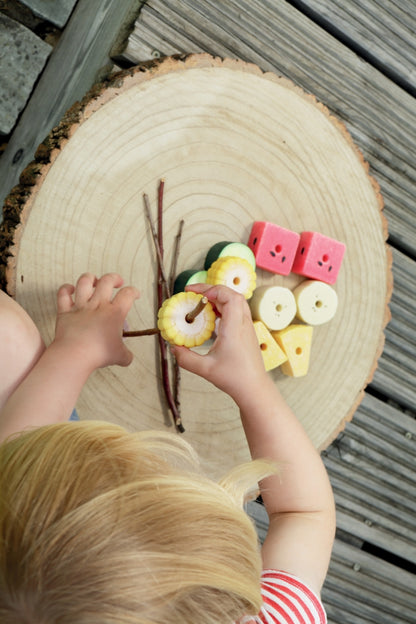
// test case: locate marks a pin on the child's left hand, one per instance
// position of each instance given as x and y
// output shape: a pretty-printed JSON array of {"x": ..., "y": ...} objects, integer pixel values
[{"x": 90, "y": 319}]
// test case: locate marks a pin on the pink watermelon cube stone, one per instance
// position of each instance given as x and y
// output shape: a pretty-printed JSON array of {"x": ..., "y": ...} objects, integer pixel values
[
  {"x": 318, "y": 257},
  {"x": 274, "y": 247}
]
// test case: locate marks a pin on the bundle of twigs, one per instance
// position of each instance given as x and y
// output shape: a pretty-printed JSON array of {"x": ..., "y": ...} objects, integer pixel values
[{"x": 164, "y": 289}]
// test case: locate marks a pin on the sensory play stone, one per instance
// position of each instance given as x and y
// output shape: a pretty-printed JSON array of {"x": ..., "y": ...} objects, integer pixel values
[
  {"x": 295, "y": 341},
  {"x": 236, "y": 273},
  {"x": 318, "y": 257},
  {"x": 275, "y": 306},
  {"x": 273, "y": 355},
  {"x": 174, "y": 326},
  {"x": 316, "y": 302},
  {"x": 274, "y": 247},
  {"x": 227, "y": 248}
]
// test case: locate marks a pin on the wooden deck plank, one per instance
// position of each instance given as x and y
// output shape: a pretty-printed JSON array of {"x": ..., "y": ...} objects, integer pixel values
[
  {"x": 398, "y": 350},
  {"x": 396, "y": 372},
  {"x": 362, "y": 607},
  {"x": 392, "y": 494},
  {"x": 387, "y": 519},
  {"x": 277, "y": 37},
  {"x": 377, "y": 573},
  {"x": 399, "y": 336},
  {"x": 359, "y": 443},
  {"x": 371, "y": 468},
  {"x": 364, "y": 525},
  {"x": 404, "y": 267},
  {"x": 389, "y": 423},
  {"x": 391, "y": 379},
  {"x": 381, "y": 30}
]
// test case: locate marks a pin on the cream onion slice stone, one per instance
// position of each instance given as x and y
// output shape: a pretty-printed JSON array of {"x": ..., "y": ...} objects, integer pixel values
[
  {"x": 316, "y": 302},
  {"x": 275, "y": 306}
]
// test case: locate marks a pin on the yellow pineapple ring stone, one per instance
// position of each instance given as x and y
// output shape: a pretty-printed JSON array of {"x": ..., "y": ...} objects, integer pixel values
[{"x": 174, "y": 326}]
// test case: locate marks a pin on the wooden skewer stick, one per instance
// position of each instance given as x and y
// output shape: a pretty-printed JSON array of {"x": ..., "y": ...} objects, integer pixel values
[{"x": 191, "y": 316}]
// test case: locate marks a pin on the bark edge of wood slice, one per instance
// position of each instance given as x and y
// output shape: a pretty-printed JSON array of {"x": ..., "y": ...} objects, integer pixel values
[{"x": 234, "y": 145}]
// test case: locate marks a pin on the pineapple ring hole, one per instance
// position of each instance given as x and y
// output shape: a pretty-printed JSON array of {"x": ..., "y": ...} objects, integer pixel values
[
  {"x": 236, "y": 281},
  {"x": 263, "y": 346},
  {"x": 318, "y": 304},
  {"x": 279, "y": 307},
  {"x": 298, "y": 350}
]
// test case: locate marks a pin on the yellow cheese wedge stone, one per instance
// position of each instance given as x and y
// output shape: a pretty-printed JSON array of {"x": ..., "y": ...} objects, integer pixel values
[
  {"x": 296, "y": 342},
  {"x": 273, "y": 356}
]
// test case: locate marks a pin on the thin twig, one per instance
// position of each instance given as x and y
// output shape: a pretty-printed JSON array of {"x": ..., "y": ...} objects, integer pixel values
[
  {"x": 163, "y": 276},
  {"x": 159, "y": 251},
  {"x": 166, "y": 385},
  {"x": 175, "y": 366},
  {"x": 141, "y": 332},
  {"x": 176, "y": 383},
  {"x": 163, "y": 285},
  {"x": 175, "y": 255}
]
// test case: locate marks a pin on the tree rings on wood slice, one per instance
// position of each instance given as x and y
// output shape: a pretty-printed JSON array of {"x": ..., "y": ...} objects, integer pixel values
[{"x": 234, "y": 145}]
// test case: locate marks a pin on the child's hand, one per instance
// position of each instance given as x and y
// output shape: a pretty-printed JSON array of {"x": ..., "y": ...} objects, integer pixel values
[
  {"x": 90, "y": 319},
  {"x": 234, "y": 363}
]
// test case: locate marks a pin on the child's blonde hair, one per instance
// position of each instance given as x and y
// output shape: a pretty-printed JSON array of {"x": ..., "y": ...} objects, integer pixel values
[{"x": 98, "y": 525}]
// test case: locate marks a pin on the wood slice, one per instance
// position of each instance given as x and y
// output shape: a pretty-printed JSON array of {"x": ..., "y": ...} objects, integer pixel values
[{"x": 234, "y": 145}]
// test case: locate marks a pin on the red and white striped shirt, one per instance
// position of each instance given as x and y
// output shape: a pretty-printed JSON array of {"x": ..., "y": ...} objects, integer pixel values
[{"x": 286, "y": 600}]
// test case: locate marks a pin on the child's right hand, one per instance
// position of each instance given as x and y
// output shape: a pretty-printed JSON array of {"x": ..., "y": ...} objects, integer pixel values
[
  {"x": 234, "y": 363},
  {"x": 91, "y": 317}
]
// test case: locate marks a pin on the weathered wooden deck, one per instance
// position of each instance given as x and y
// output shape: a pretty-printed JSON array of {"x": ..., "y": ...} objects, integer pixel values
[{"x": 359, "y": 58}]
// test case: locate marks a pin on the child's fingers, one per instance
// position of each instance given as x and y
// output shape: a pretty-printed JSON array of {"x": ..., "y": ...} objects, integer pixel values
[
  {"x": 105, "y": 286},
  {"x": 199, "y": 288},
  {"x": 125, "y": 297},
  {"x": 64, "y": 298},
  {"x": 84, "y": 288},
  {"x": 231, "y": 305},
  {"x": 218, "y": 294},
  {"x": 191, "y": 361}
]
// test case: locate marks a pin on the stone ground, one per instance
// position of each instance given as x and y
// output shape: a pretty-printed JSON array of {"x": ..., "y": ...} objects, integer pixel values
[{"x": 29, "y": 31}]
